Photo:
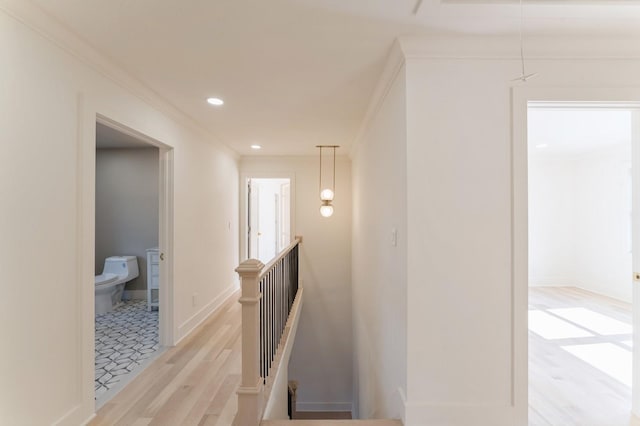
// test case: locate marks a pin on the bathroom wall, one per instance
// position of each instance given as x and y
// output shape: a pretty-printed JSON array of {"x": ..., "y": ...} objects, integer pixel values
[{"x": 127, "y": 208}]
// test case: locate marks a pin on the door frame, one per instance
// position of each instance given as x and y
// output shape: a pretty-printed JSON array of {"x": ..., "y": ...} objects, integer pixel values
[
  {"x": 165, "y": 221},
  {"x": 244, "y": 177},
  {"x": 520, "y": 97}
]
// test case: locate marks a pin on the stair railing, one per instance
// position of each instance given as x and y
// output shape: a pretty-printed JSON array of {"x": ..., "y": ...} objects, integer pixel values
[{"x": 269, "y": 296}]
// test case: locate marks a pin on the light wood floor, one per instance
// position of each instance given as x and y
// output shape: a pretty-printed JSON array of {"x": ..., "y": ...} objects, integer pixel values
[
  {"x": 563, "y": 389},
  {"x": 193, "y": 383}
]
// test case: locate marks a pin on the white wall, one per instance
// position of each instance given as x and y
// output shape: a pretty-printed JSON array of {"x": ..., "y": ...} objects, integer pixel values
[
  {"x": 603, "y": 222},
  {"x": 379, "y": 271},
  {"x": 50, "y": 98},
  {"x": 580, "y": 220},
  {"x": 321, "y": 358},
  {"x": 466, "y": 340},
  {"x": 127, "y": 205},
  {"x": 552, "y": 221}
]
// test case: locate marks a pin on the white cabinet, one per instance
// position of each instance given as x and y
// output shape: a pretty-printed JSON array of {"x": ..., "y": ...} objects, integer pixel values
[{"x": 153, "y": 277}]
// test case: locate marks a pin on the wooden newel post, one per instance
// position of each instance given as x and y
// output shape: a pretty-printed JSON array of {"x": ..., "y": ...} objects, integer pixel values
[{"x": 250, "y": 393}]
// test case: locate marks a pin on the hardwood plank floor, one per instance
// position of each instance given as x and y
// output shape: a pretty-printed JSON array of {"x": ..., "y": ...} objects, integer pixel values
[
  {"x": 193, "y": 383},
  {"x": 564, "y": 389}
]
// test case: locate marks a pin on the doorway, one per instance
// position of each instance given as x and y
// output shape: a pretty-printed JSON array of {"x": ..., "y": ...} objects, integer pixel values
[
  {"x": 523, "y": 97},
  {"x": 268, "y": 219},
  {"x": 132, "y": 224},
  {"x": 276, "y": 215},
  {"x": 580, "y": 263}
]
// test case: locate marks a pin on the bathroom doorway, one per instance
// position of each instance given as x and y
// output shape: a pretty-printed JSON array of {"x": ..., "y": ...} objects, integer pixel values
[
  {"x": 268, "y": 221},
  {"x": 131, "y": 212}
]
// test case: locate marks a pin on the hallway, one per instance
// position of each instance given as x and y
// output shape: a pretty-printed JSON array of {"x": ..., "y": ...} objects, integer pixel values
[{"x": 193, "y": 383}]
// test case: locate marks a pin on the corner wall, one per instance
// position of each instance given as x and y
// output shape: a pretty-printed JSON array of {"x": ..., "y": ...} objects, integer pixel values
[
  {"x": 379, "y": 270},
  {"x": 321, "y": 356},
  {"x": 51, "y": 95},
  {"x": 467, "y": 360}
]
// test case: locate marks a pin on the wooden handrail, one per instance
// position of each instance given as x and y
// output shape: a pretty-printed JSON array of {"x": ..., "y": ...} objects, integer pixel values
[{"x": 297, "y": 240}]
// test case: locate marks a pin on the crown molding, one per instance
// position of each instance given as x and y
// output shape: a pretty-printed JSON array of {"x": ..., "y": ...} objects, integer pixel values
[
  {"x": 508, "y": 47},
  {"x": 55, "y": 32},
  {"x": 395, "y": 63}
]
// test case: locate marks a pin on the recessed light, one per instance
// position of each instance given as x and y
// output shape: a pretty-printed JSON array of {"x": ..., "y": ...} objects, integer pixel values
[
  {"x": 542, "y": 145},
  {"x": 256, "y": 147},
  {"x": 215, "y": 101}
]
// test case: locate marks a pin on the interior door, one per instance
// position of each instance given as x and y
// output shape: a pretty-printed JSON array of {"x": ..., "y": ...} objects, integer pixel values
[
  {"x": 635, "y": 243},
  {"x": 284, "y": 236},
  {"x": 253, "y": 222}
]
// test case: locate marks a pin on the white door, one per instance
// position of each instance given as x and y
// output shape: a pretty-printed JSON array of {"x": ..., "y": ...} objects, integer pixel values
[
  {"x": 635, "y": 226},
  {"x": 253, "y": 222},
  {"x": 268, "y": 217}
]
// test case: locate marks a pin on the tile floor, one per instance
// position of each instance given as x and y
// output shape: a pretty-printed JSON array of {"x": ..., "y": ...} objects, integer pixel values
[{"x": 125, "y": 338}]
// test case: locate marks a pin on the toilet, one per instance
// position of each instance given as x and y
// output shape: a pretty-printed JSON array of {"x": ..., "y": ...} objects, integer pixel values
[{"x": 117, "y": 271}]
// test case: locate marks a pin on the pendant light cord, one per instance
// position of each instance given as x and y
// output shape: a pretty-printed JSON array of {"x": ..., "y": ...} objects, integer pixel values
[
  {"x": 320, "y": 180},
  {"x": 521, "y": 42},
  {"x": 334, "y": 170}
]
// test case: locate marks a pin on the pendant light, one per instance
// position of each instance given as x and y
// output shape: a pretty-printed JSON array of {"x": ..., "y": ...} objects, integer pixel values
[
  {"x": 523, "y": 76},
  {"x": 327, "y": 192}
]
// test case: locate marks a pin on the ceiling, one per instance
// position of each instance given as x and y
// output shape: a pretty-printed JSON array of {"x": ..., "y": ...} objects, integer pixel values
[
  {"x": 108, "y": 138},
  {"x": 576, "y": 131},
  {"x": 295, "y": 73}
]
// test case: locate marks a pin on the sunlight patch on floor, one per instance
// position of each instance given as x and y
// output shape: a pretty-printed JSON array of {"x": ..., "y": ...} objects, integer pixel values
[
  {"x": 593, "y": 321},
  {"x": 606, "y": 357},
  {"x": 551, "y": 327}
]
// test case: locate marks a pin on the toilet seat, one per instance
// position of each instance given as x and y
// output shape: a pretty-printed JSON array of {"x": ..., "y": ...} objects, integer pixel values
[{"x": 103, "y": 279}]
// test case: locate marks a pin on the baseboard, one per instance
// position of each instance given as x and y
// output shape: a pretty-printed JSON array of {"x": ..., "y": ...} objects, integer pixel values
[
  {"x": 198, "y": 318},
  {"x": 462, "y": 415},
  {"x": 75, "y": 416},
  {"x": 402, "y": 405},
  {"x": 323, "y": 406},
  {"x": 134, "y": 295},
  {"x": 551, "y": 282}
]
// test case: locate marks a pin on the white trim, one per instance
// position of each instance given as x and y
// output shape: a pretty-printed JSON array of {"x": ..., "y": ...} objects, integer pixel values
[
  {"x": 503, "y": 47},
  {"x": 56, "y": 33},
  {"x": 552, "y": 281},
  {"x": 461, "y": 414},
  {"x": 166, "y": 294},
  {"x": 324, "y": 406},
  {"x": 166, "y": 319},
  {"x": 74, "y": 417},
  {"x": 394, "y": 65},
  {"x": 403, "y": 404},
  {"x": 244, "y": 176},
  {"x": 199, "y": 317}
]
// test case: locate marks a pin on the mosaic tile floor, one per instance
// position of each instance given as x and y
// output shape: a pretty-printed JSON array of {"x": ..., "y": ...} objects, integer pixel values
[{"x": 125, "y": 338}]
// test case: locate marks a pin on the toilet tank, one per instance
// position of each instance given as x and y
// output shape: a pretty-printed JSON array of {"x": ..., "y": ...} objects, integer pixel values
[{"x": 123, "y": 266}]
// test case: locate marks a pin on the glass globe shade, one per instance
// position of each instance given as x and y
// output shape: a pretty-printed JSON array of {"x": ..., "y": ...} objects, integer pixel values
[
  {"x": 326, "y": 211},
  {"x": 326, "y": 195}
]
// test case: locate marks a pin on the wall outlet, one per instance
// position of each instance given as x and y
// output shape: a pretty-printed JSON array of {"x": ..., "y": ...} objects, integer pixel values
[{"x": 194, "y": 299}]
